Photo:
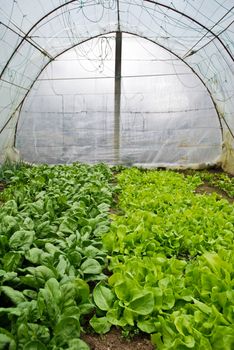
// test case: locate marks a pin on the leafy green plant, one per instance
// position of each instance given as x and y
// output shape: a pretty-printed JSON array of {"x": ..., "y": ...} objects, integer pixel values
[
  {"x": 171, "y": 257},
  {"x": 217, "y": 179},
  {"x": 51, "y": 253},
  {"x": 8, "y": 169}
]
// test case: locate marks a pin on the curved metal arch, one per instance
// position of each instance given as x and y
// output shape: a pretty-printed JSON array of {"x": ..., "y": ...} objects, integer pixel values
[
  {"x": 193, "y": 20},
  {"x": 29, "y": 31},
  {"x": 118, "y": 15},
  {"x": 137, "y": 35}
]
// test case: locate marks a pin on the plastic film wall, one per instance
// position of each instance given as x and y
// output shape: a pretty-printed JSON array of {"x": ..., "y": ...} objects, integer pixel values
[
  {"x": 167, "y": 116},
  {"x": 177, "y": 104}
]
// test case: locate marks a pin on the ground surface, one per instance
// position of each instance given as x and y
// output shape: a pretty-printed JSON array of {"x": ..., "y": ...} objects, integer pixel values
[
  {"x": 2, "y": 186},
  {"x": 207, "y": 189},
  {"x": 115, "y": 341}
]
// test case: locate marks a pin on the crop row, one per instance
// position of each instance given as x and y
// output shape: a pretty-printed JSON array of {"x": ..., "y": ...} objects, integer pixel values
[
  {"x": 51, "y": 253},
  {"x": 172, "y": 262},
  {"x": 163, "y": 264}
]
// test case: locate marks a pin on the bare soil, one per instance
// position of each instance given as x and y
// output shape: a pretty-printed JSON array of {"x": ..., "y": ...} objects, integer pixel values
[
  {"x": 116, "y": 211},
  {"x": 114, "y": 341},
  {"x": 206, "y": 188},
  {"x": 2, "y": 186}
]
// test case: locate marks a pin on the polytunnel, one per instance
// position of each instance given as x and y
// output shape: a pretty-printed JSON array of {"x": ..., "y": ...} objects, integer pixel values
[{"x": 124, "y": 82}]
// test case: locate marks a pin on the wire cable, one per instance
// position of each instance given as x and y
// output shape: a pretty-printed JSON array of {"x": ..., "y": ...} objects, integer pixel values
[{"x": 191, "y": 49}]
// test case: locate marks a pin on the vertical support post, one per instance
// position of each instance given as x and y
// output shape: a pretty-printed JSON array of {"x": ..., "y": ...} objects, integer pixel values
[{"x": 118, "y": 61}]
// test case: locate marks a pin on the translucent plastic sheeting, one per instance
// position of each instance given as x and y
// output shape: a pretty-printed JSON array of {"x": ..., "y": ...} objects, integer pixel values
[
  {"x": 7, "y": 140},
  {"x": 167, "y": 115},
  {"x": 34, "y": 32}
]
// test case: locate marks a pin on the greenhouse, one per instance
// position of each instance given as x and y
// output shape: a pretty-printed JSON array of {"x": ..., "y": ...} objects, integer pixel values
[{"x": 116, "y": 174}]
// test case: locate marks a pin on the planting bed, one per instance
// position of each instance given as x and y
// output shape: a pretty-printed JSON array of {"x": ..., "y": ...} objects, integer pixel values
[
  {"x": 86, "y": 250},
  {"x": 114, "y": 340}
]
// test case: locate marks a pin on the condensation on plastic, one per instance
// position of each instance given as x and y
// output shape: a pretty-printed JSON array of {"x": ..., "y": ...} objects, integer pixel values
[{"x": 184, "y": 138}]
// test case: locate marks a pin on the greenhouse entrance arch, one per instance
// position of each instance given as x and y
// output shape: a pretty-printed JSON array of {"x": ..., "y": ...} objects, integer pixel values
[{"x": 166, "y": 115}]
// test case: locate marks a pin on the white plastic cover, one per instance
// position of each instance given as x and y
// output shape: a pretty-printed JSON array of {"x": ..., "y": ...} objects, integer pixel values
[
  {"x": 200, "y": 33},
  {"x": 167, "y": 115}
]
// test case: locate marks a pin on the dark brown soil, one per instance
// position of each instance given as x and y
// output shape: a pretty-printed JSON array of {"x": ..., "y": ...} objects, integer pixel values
[
  {"x": 207, "y": 189},
  {"x": 116, "y": 211},
  {"x": 2, "y": 186},
  {"x": 114, "y": 341}
]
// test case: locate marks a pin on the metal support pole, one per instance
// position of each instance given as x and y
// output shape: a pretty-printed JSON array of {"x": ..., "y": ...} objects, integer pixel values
[{"x": 118, "y": 61}]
